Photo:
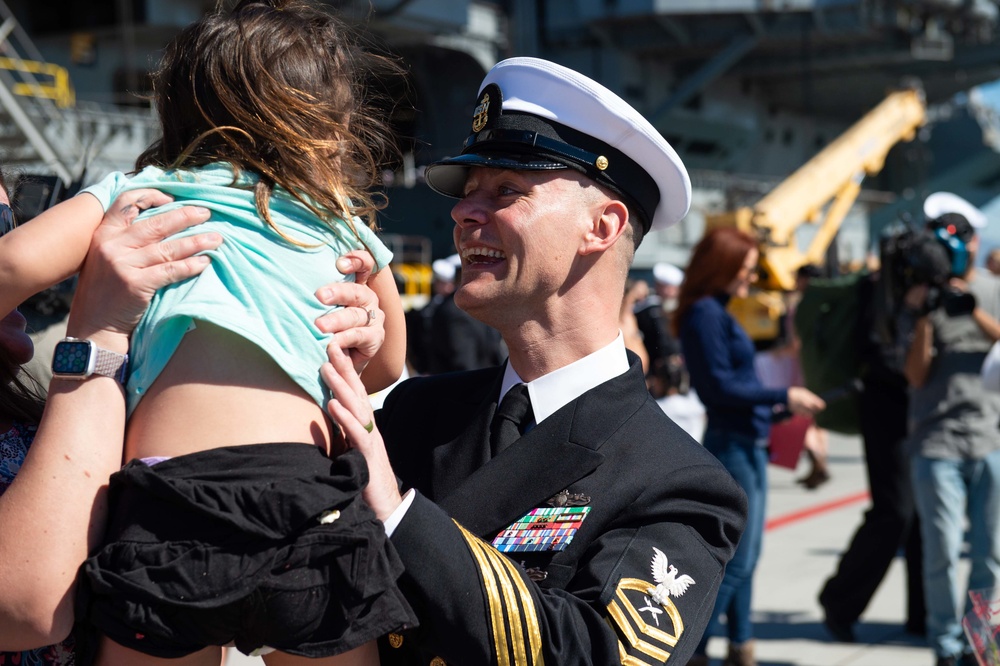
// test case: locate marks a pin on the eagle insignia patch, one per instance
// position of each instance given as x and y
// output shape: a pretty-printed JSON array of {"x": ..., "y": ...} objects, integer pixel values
[{"x": 669, "y": 584}]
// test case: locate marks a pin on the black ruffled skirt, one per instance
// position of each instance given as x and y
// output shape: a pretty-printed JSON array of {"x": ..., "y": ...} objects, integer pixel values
[{"x": 258, "y": 545}]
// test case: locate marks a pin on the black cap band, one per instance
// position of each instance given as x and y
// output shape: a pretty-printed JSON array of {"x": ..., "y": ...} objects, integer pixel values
[{"x": 522, "y": 141}]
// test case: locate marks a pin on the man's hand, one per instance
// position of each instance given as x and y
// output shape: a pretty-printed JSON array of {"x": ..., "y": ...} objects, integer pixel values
[
  {"x": 352, "y": 411},
  {"x": 359, "y": 326},
  {"x": 128, "y": 262}
]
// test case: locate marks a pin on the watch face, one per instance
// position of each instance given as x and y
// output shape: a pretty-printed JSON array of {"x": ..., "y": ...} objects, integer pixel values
[{"x": 71, "y": 357}]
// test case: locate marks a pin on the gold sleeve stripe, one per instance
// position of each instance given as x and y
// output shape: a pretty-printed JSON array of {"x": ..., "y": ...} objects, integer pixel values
[
  {"x": 501, "y": 571},
  {"x": 530, "y": 611},
  {"x": 492, "y": 595},
  {"x": 510, "y": 604}
]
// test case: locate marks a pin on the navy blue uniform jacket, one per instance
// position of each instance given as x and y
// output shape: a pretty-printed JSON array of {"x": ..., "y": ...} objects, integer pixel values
[{"x": 661, "y": 508}]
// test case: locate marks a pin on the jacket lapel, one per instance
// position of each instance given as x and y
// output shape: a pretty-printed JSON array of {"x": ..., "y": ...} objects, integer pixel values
[
  {"x": 551, "y": 457},
  {"x": 458, "y": 459}
]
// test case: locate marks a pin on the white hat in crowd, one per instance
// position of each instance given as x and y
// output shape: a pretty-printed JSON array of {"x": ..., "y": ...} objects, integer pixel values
[
  {"x": 533, "y": 114},
  {"x": 667, "y": 274},
  {"x": 444, "y": 269},
  {"x": 942, "y": 203}
]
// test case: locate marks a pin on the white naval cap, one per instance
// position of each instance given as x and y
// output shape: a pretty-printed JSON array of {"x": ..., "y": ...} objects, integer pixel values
[
  {"x": 943, "y": 203},
  {"x": 533, "y": 114},
  {"x": 668, "y": 274},
  {"x": 443, "y": 269}
]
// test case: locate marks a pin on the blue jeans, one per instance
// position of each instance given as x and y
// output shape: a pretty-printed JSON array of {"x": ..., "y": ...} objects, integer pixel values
[
  {"x": 746, "y": 460},
  {"x": 947, "y": 492}
]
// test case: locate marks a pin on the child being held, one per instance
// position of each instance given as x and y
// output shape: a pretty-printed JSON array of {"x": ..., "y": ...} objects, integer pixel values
[{"x": 238, "y": 517}]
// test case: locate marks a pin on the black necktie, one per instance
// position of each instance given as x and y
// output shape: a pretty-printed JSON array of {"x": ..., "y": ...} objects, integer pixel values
[{"x": 513, "y": 415}]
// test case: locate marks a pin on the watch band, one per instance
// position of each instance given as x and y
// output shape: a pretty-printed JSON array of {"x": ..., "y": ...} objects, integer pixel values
[{"x": 110, "y": 364}]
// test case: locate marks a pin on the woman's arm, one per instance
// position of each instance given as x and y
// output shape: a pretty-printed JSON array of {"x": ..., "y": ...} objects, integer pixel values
[
  {"x": 47, "y": 249},
  {"x": 54, "y": 512}
]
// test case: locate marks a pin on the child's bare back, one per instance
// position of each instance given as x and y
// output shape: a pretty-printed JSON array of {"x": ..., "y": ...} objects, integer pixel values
[{"x": 219, "y": 389}]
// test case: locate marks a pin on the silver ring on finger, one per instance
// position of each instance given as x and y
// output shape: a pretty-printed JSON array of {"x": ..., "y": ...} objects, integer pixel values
[{"x": 372, "y": 314}]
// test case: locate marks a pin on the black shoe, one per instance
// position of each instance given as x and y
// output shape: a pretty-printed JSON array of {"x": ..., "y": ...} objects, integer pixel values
[{"x": 842, "y": 632}]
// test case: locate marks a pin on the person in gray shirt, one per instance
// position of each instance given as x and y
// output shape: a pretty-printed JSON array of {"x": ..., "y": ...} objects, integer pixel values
[{"x": 954, "y": 439}]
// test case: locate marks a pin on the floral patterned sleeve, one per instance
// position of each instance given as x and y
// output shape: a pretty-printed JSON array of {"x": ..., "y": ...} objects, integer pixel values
[{"x": 13, "y": 448}]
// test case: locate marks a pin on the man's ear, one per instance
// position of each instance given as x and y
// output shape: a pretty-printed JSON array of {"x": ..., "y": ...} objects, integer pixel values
[{"x": 606, "y": 228}]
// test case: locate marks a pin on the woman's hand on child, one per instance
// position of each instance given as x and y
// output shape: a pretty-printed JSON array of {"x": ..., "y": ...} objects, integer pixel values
[
  {"x": 358, "y": 327},
  {"x": 129, "y": 261}
]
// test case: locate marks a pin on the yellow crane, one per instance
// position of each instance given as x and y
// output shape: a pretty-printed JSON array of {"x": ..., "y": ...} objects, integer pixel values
[{"x": 821, "y": 192}]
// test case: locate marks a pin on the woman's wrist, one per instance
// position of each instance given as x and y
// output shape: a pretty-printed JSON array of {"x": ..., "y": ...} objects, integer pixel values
[{"x": 112, "y": 341}]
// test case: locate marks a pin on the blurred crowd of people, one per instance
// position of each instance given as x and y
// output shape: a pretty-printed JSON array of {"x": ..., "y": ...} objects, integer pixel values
[{"x": 928, "y": 414}]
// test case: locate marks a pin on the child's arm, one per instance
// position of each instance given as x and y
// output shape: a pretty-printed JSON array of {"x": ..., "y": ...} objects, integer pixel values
[
  {"x": 47, "y": 249},
  {"x": 387, "y": 365}
]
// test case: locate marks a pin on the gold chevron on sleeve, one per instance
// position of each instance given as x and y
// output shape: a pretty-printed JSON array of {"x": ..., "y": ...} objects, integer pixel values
[
  {"x": 637, "y": 634},
  {"x": 508, "y": 595}
]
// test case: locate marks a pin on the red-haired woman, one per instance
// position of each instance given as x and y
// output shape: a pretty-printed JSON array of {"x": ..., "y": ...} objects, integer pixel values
[{"x": 719, "y": 357}]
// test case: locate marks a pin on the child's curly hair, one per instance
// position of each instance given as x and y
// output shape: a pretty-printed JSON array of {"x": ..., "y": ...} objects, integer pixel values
[{"x": 276, "y": 88}]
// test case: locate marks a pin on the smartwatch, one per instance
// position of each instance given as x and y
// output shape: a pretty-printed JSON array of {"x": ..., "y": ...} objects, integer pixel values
[{"x": 78, "y": 359}]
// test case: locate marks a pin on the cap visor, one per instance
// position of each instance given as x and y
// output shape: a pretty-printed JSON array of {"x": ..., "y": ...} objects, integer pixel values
[{"x": 448, "y": 176}]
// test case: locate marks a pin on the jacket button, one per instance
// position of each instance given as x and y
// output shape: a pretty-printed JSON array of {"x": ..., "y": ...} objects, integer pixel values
[
  {"x": 438, "y": 661},
  {"x": 395, "y": 640}
]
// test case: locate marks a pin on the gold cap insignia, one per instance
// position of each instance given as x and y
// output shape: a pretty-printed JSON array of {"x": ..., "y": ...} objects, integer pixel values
[
  {"x": 481, "y": 114},
  {"x": 601, "y": 163}
]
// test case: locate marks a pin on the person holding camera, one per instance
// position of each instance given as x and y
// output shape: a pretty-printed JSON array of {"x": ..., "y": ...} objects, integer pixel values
[{"x": 954, "y": 442}]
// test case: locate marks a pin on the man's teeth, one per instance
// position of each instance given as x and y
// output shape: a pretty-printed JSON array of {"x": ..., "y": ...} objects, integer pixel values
[{"x": 482, "y": 252}]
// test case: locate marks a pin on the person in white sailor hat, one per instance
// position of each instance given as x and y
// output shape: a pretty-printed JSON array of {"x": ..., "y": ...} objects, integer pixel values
[
  {"x": 443, "y": 270},
  {"x": 667, "y": 274},
  {"x": 945, "y": 203},
  {"x": 550, "y": 511},
  {"x": 954, "y": 444}
]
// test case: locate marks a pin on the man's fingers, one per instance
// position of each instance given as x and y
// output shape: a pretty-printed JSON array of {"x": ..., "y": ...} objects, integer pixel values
[
  {"x": 359, "y": 262},
  {"x": 360, "y": 342},
  {"x": 347, "y": 294},
  {"x": 342, "y": 319}
]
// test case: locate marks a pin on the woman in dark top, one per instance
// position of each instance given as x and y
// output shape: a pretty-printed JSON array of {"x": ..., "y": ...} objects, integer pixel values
[{"x": 720, "y": 359}]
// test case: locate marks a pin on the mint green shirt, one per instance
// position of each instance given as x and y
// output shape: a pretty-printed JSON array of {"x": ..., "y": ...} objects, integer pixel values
[{"x": 258, "y": 285}]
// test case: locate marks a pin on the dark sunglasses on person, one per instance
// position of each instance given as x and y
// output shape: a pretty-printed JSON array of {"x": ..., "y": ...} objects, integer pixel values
[{"x": 6, "y": 219}]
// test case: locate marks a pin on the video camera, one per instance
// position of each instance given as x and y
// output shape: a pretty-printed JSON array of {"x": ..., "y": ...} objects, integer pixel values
[{"x": 931, "y": 256}]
